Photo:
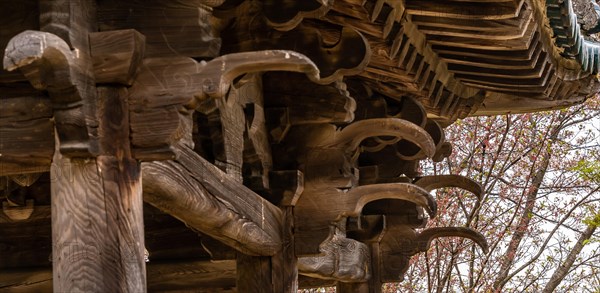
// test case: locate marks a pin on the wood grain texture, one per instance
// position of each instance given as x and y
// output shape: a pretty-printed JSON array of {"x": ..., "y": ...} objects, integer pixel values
[
  {"x": 196, "y": 276},
  {"x": 16, "y": 17},
  {"x": 306, "y": 102},
  {"x": 93, "y": 210},
  {"x": 190, "y": 275},
  {"x": 26, "y": 134},
  {"x": 347, "y": 52},
  {"x": 48, "y": 64},
  {"x": 256, "y": 274},
  {"x": 97, "y": 222},
  {"x": 180, "y": 28},
  {"x": 208, "y": 200},
  {"x": 117, "y": 55},
  {"x": 341, "y": 259},
  {"x": 72, "y": 89},
  {"x": 342, "y": 287},
  {"x": 168, "y": 89}
]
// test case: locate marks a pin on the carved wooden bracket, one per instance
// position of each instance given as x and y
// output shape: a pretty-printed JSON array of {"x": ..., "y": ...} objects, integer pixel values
[
  {"x": 400, "y": 191},
  {"x": 285, "y": 15},
  {"x": 167, "y": 89},
  {"x": 348, "y": 53},
  {"x": 430, "y": 183},
  {"x": 341, "y": 259},
  {"x": 216, "y": 76},
  {"x": 49, "y": 64},
  {"x": 399, "y": 243}
]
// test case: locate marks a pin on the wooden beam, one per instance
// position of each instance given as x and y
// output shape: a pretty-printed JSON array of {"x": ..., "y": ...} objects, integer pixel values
[
  {"x": 194, "y": 275},
  {"x": 208, "y": 200},
  {"x": 27, "y": 134}
]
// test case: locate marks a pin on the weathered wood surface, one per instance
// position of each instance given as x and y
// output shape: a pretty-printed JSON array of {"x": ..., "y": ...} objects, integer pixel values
[
  {"x": 417, "y": 61},
  {"x": 27, "y": 134},
  {"x": 97, "y": 227},
  {"x": 168, "y": 89},
  {"x": 341, "y": 53},
  {"x": 305, "y": 102},
  {"x": 16, "y": 17},
  {"x": 48, "y": 63},
  {"x": 329, "y": 161},
  {"x": 257, "y": 274},
  {"x": 341, "y": 259},
  {"x": 97, "y": 222},
  {"x": 196, "y": 276},
  {"x": 180, "y": 28},
  {"x": 117, "y": 55},
  {"x": 191, "y": 186}
]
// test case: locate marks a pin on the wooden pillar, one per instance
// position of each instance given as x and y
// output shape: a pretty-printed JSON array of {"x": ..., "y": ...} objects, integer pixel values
[
  {"x": 278, "y": 273},
  {"x": 352, "y": 287},
  {"x": 289, "y": 265},
  {"x": 97, "y": 222}
]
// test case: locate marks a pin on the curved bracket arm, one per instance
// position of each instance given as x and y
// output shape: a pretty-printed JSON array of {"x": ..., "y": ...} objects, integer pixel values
[
  {"x": 352, "y": 135},
  {"x": 430, "y": 183},
  {"x": 49, "y": 64},
  {"x": 403, "y": 191},
  {"x": 426, "y": 236},
  {"x": 216, "y": 76},
  {"x": 286, "y": 15},
  {"x": 45, "y": 59}
]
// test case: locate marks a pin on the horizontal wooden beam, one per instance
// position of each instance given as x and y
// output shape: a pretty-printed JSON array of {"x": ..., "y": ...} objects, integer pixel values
[
  {"x": 198, "y": 193},
  {"x": 196, "y": 275},
  {"x": 27, "y": 134}
]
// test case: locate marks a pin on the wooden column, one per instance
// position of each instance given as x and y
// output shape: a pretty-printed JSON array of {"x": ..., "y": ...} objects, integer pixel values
[
  {"x": 278, "y": 273},
  {"x": 97, "y": 223},
  {"x": 289, "y": 266},
  {"x": 352, "y": 287}
]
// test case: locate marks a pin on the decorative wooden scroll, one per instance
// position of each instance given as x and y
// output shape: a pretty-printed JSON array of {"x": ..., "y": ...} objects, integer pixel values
[
  {"x": 380, "y": 151},
  {"x": 399, "y": 243},
  {"x": 167, "y": 90},
  {"x": 329, "y": 160},
  {"x": 287, "y": 14},
  {"x": 430, "y": 183},
  {"x": 341, "y": 259},
  {"x": 48, "y": 63},
  {"x": 345, "y": 53}
]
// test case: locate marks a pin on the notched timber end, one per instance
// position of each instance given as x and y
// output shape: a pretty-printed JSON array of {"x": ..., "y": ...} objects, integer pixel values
[{"x": 117, "y": 55}]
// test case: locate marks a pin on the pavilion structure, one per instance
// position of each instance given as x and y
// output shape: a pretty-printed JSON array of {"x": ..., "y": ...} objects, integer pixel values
[{"x": 254, "y": 146}]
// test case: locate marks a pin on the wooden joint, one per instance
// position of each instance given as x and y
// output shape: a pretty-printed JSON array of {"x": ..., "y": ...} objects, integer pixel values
[
  {"x": 49, "y": 64},
  {"x": 117, "y": 55}
]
